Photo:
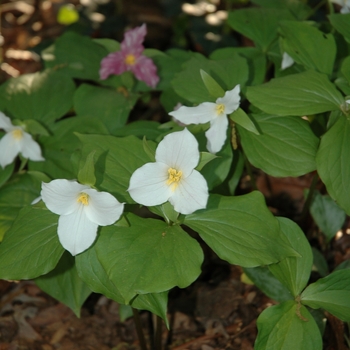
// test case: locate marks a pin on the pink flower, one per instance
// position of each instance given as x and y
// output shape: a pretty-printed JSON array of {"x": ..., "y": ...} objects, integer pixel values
[{"x": 130, "y": 58}]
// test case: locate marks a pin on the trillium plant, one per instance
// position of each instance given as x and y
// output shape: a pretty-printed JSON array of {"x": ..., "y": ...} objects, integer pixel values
[{"x": 94, "y": 201}]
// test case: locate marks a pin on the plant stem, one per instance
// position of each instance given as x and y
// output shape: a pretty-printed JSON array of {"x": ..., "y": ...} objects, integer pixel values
[
  {"x": 139, "y": 329},
  {"x": 158, "y": 334}
]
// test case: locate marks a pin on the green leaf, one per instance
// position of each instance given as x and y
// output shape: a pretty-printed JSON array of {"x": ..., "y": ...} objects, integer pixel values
[
  {"x": 59, "y": 147},
  {"x": 20, "y": 191},
  {"x": 333, "y": 162},
  {"x": 212, "y": 86},
  {"x": 320, "y": 263},
  {"x": 258, "y": 24},
  {"x": 268, "y": 283},
  {"x": 149, "y": 148},
  {"x": 76, "y": 55},
  {"x": 241, "y": 118},
  {"x": 296, "y": 95},
  {"x": 43, "y": 96},
  {"x": 294, "y": 272},
  {"x": 286, "y": 146},
  {"x": 86, "y": 174},
  {"x": 34, "y": 127},
  {"x": 241, "y": 230},
  {"x": 327, "y": 215},
  {"x": 108, "y": 105},
  {"x": 205, "y": 158},
  {"x": 116, "y": 160},
  {"x": 341, "y": 22},
  {"x": 331, "y": 293},
  {"x": 141, "y": 129},
  {"x": 5, "y": 174},
  {"x": 31, "y": 247},
  {"x": 189, "y": 84},
  {"x": 148, "y": 257},
  {"x": 169, "y": 213},
  {"x": 109, "y": 44},
  {"x": 64, "y": 284},
  {"x": 280, "y": 328},
  {"x": 308, "y": 46}
]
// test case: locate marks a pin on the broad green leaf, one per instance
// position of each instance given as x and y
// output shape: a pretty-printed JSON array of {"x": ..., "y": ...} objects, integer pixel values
[
  {"x": 212, "y": 86},
  {"x": 255, "y": 58},
  {"x": 341, "y": 22},
  {"x": 109, "y": 44},
  {"x": 141, "y": 129},
  {"x": 294, "y": 272},
  {"x": 258, "y": 24},
  {"x": 64, "y": 284},
  {"x": 327, "y": 215},
  {"x": 331, "y": 293},
  {"x": 308, "y": 46},
  {"x": 345, "y": 68},
  {"x": 31, "y": 247},
  {"x": 75, "y": 55},
  {"x": 43, "y": 96},
  {"x": 149, "y": 148},
  {"x": 148, "y": 257},
  {"x": 20, "y": 191},
  {"x": 105, "y": 104},
  {"x": 169, "y": 213},
  {"x": 116, "y": 160},
  {"x": 286, "y": 145},
  {"x": 86, "y": 174},
  {"x": 241, "y": 230},
  {"x": 333, "y": 162},
  {"x": 287, "y": 326},
  {"x": 205, "y": 158},
  {"x": 320, "y": 263},
  {"x": 34, "y": 127},
  {"x": 5, "y": 174},
  {"x": 299, "y": 94},
  {"x": 268, "y": 283},
  {"x": 241, "y": 118},
  {"x": 189, "y": 85}
]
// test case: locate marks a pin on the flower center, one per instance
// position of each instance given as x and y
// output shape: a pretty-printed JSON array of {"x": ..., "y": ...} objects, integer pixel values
[
  {"x": 174, "y": 177},
  {"x": 83, "y": 198},
  {"x": 220, "y": 108},
  {"x": 130, "y": 60},
  {"x": 17, "y": 134}
]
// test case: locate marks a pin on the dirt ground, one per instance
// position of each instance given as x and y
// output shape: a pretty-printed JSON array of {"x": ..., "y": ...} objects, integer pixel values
[{"x": 218, "y": 311}]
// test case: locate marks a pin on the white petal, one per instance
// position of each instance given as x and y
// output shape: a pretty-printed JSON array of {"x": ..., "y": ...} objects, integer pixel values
[
  {"x": 9, "y": 149},
  {"x": 76, "y": 232},
  {"x": 231, "y": 100},
  {"x": 5, "y": 122},
  {"x": 60, "y": 196},
  {"x": 30, "y": 148},
  {"x": 287, "y": 61},
  {"x": 148, "y": 184},
  {"x": 191, "y": 194},
  {"x": 179, "y": 150},
  {"x": 103, "y": 208},
  {"x": 200, "y": 114},
  {"x": 216, "y": 134}
]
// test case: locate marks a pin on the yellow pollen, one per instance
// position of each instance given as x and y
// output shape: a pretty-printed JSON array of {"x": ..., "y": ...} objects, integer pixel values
[
  {"x": 130, "y": 60},
  {"x": 17, "y": 134},
  {"x": 174, "y": 177},
  {"x": 220, "y": 108},
  {"x": 83, "y": 198}
]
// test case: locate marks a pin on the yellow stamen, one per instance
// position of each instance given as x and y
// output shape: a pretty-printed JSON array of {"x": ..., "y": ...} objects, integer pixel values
[
  {"x": 17, "y": 134},
  {"x": 220, "y": 108},
  {"x": 83, "y": 198},
  {"x": 130, "y": 60},
  {"x": 174, "y": 177}
]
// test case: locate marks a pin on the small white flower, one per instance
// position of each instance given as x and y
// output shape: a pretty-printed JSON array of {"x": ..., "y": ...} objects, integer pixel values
[
  {"x": 287, "y": 61},
  {"x": 172, "y": 177},
  {"x": 215, "y": 113},
  {"x": 345, "y": 5},
  {"x": 16, "y": 141},
  {"x": 81, "y": 209}
]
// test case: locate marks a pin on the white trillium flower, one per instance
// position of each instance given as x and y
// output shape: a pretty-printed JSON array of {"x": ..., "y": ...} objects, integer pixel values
[
  {"x": 16, "y": 141},
  {"x": 215, "y": 113},
  {"x": 287, "y": 61},
  {"x": 82, "y": 209},
  {"x": 345, "y": 4},
  {"x": 172, "y": 177}
]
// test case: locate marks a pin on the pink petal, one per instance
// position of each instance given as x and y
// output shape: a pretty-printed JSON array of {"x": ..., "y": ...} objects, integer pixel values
[
  {"x": 112, "y": 64},
  {"x": 133, "y": 39},
  {"x": 145, "y": 70}
]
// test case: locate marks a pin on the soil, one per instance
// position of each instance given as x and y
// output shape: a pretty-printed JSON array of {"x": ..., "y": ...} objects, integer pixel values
[{"x": 219, "y": 310}]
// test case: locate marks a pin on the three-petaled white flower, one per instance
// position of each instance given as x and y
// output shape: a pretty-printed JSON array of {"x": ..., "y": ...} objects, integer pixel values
[
  {"x": 172, "y": 177},
  {"x": 82, "y": 209},
  {"x": 287, "y": 61},
  {"x": 215, "y": 113},
  {"x": 16, "y": 141}
]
